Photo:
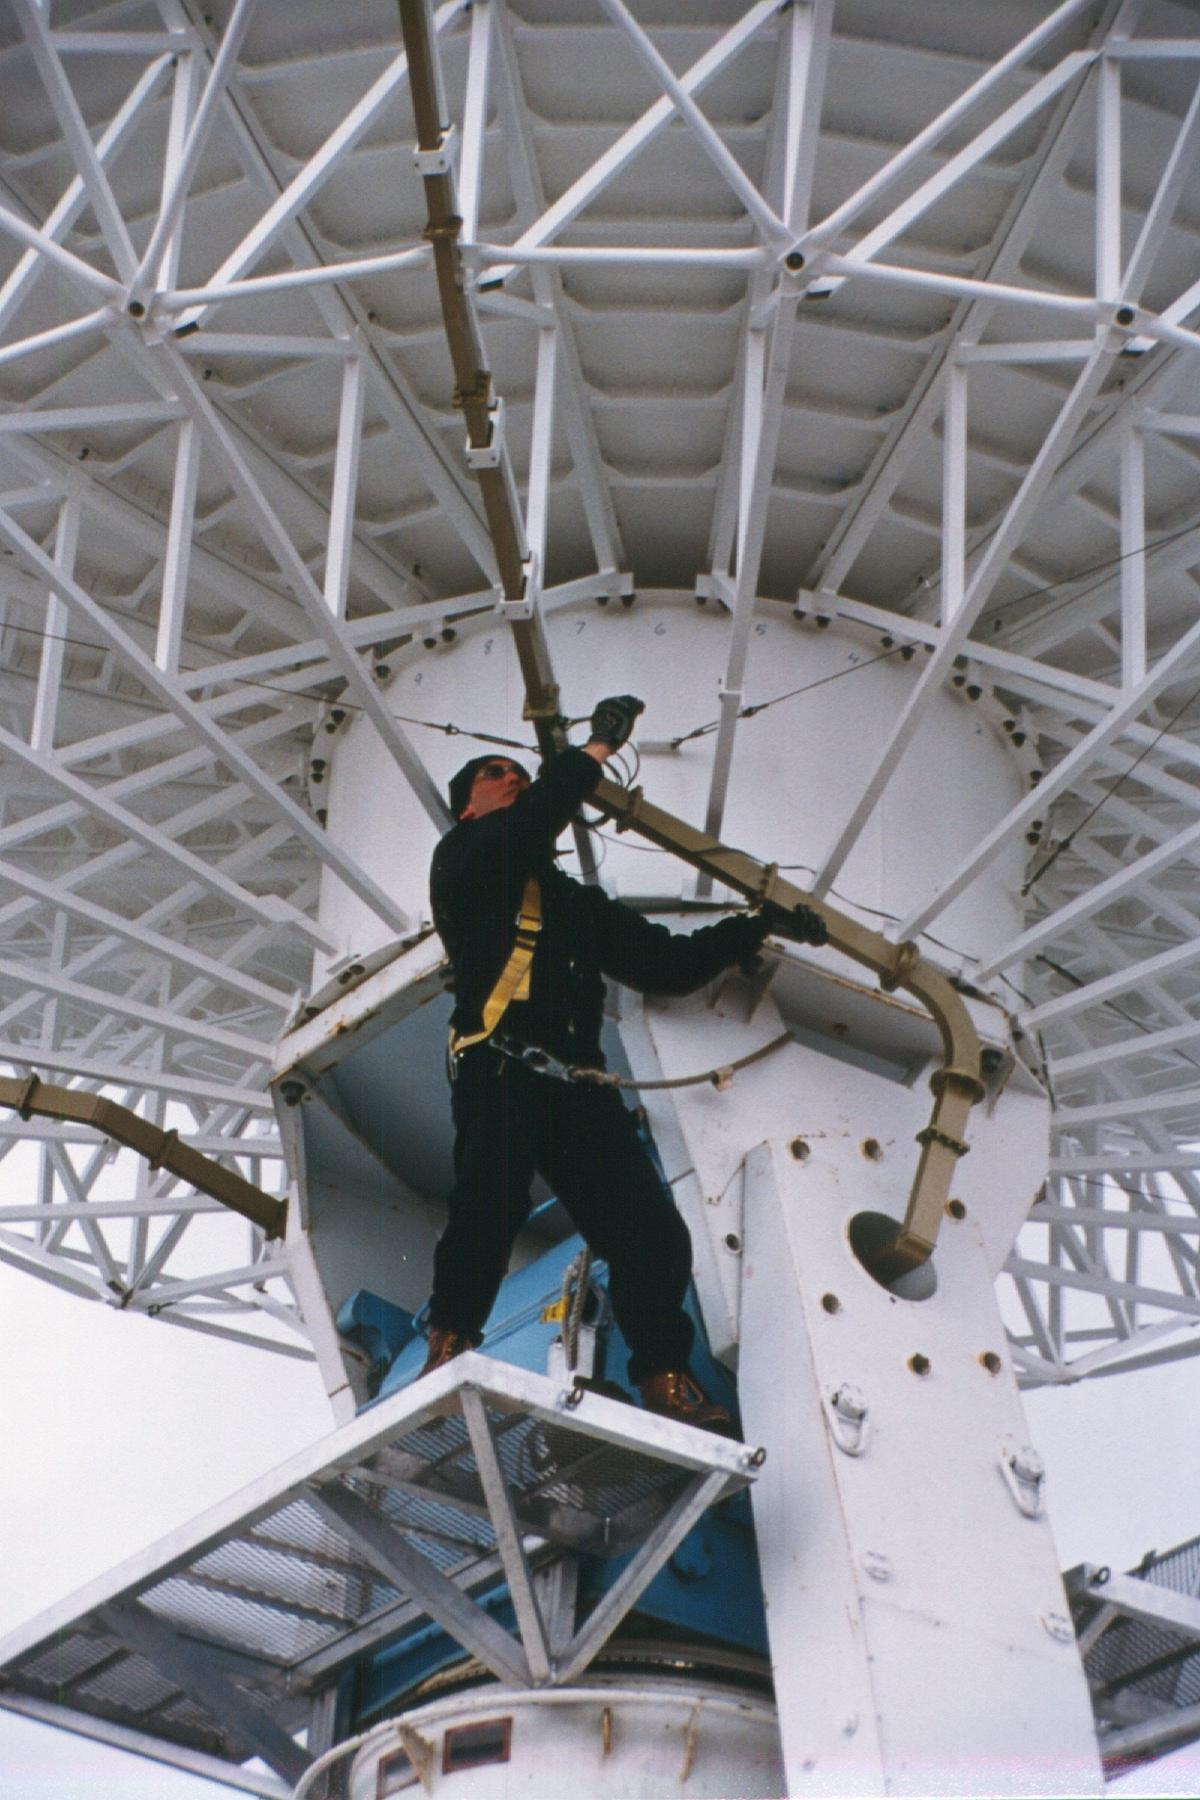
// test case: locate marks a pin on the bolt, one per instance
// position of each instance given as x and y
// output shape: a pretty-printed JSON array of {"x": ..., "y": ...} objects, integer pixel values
[
  {"x": 872, "y": 1149},
  {"x": 991, "y": 1362},
  {"x": 991, "y": 1059},
  {"x": 292, "y": 1092},
  {"x": 627, "y": 600},
  {"x": 382, "y": 671},
  {"x": 1125, "y": 315},
  {"x": 823, "y": 620},
  {"x": 919, "y": 1364},
  {"x": 974, "y": 691},
  {"x": 430, "y": 643},
  {"x": 831, "y": 1303},
  {"x": 601, "y": 599},
  {"x": 733, "y": 1241},
  {"x": 956, "y": 1209},
  {"x": 448, "y": 634},
  {"x": 137, "y": 309},
  {"x": 799, "y": 1149},
  {"x": 794, "y": 260}
]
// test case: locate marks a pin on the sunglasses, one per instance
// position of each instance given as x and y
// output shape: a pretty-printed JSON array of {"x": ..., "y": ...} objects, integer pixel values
[{"x": 496, "y": 771}]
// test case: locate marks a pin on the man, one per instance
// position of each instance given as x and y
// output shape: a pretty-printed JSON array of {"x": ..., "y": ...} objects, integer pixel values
[{"x": 530, "y": 948}]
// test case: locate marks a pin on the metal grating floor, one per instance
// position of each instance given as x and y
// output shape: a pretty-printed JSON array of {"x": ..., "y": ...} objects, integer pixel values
[
  {"x": 217, "y": 1638},
  {"x": 1143, "y": 1672}
]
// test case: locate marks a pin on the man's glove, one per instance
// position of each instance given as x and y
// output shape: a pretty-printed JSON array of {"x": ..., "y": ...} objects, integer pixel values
[
  {"x": 804, "y": 924},
  {"x": 613, "y": 719}
]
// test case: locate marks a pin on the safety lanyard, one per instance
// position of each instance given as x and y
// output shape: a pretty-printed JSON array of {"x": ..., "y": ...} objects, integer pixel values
[{"x": 513, "y": 982}]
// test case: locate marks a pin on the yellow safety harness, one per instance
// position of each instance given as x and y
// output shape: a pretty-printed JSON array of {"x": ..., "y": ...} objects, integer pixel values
[{"x": 513, "y": 982}]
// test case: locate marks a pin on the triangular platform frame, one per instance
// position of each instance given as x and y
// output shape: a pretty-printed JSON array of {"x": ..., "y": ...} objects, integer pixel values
[{"x": 216, "y": 1640}]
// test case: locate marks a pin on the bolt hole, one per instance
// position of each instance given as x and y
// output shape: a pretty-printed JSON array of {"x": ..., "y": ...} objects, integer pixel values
[
  {"x": 873, "y": 1238},
  {"x": 919, "y": 1364},
  {"x": 732, "y": 1241},
  {"x": 991, "y": 1362},
  {"x": 800, "y": 1150},
  {"x": 956, "y": 1209},
  {"x": 831, "y": 1303},
  {"x": 872, "y": 1149}
]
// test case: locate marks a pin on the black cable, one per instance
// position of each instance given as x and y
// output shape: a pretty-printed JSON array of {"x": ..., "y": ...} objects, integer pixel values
[
  {"x": 1109, "y": 793},
  {"x": 748, "y": 712},
  {"x": 1113, "y": 562}
]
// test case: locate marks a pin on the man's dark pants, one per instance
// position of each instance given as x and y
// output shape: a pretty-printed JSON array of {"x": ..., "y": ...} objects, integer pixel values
[{"x": 511, "y": 1123}]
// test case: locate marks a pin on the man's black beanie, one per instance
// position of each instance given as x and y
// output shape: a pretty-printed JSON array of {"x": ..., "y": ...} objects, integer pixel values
[{"x": 460, "y": 786}]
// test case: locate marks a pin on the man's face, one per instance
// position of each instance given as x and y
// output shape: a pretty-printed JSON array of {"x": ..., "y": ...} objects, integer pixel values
[{"x": 496, "y": 785}]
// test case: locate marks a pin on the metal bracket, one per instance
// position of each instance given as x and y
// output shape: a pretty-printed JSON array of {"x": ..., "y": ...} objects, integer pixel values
[
  {"x": 932, "y": 1134},
  {"x": 1024, "y": 1472},
  {"x": 848, "y": 1411},
  {"x": 491, "y": 454},
  {"x": 442, "y": 159}
]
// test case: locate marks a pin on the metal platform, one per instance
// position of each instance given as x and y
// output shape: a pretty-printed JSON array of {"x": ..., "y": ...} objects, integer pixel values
[
  {"x": 1139, "y": 1635},
  {"x": 214, "y": 1643}
]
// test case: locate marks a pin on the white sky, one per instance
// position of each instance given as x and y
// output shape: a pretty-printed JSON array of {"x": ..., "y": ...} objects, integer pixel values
[{"x": 118, "y": 1428}]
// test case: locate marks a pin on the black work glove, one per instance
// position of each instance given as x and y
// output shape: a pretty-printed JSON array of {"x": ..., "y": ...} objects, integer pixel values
[
  {"x": 804, "y": 924},
  {"x": 613, "y": 719}
]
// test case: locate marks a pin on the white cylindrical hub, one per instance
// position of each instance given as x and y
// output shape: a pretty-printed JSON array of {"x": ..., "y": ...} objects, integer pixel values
[
  {"x": 798, "y": 766},
  {"x": 609, "y": 1741}
]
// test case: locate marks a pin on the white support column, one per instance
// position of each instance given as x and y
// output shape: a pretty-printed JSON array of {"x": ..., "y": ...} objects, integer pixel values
[
  {"x": 772, "y": 229},
  {"x": 188, "y": 157},
  {"x": 1109, "y": 260},
  {"x": 1028, "y": 496},
  {"x": 1133, "y": 558},
  {"x": 54, "y": 648},
  {"x": 177, "y": 561},
  {"x": 954, "y": 493},
  {"x": 475, "y": 114},
  {"x": 347, "y": 459},
  {"x": 616, "y": 158},
  {"x": 575, "y": 404},
  {"x": 183, "y": 107},
  {"x": 905, "y": 1661},
  {"x": 1178, "y": 659},
  {"x": 541, "y": 449},
  {"x": 125, "y": 120},
  {"x": 77, "y": 136}
]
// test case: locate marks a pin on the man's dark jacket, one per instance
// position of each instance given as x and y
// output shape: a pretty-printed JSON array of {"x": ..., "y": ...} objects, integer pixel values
[{"x": 476, "y": 882}]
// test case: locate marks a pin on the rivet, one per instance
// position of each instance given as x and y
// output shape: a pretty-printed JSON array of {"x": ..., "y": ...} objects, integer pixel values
[
  {"x": 872, "y": 1149},
  {"x": 831, "y": 1303},
  {"x": 956, "y": 1209},
  {"x": 991, "y": 1362},
  {"x": 919, "y": 1363},
  {"x": 799, "y": 1149}
]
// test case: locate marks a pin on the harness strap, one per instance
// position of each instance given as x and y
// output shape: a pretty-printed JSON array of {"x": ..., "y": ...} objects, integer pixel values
[{"x": 513, "y": 981}]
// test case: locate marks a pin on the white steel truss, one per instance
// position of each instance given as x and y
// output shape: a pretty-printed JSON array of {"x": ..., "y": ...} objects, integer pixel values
[{"x": 929, "y": 365}]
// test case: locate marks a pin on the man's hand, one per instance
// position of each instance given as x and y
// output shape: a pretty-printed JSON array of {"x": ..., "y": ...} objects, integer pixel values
[
  {"x": 803, "y": 924},
  {"x": 614, "y": 718}
]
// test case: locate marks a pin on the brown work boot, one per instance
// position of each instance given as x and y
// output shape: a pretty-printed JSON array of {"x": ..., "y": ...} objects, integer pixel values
[
  {"x": 445, "y": 1344},
  {"x": 676, "y": 1396}
]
